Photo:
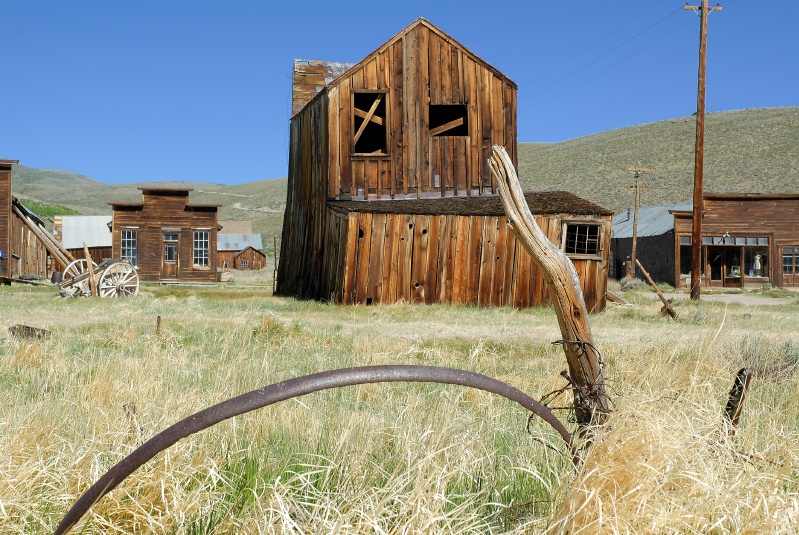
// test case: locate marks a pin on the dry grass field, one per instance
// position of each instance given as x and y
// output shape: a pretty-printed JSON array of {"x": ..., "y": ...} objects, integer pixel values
[{"x": 390, "y": 458}]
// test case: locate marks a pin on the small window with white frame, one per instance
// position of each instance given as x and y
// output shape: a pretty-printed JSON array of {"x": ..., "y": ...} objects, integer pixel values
[
  {"x": 128, "y": 245},
  {"x": 201, "y": 243},
  {"x": 582, "y": 239}
]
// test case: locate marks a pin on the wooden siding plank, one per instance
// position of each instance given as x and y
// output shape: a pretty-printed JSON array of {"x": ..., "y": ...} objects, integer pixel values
[
  {"x": 421, "y": 242},
  {"x": 460, "y": 273},
  {"x": 374, "y": 290},
  {"x": 475, "y": 252},
  {"x": 397, "y": 116},
  {"x": 390, "y": 252},
  {"x": 436, "y": 70},
  {"x": 350, "y": 275},
  {"x": 412, "y": 132},
  {"x": 424, "y": 111},
  {"x": 405, "y": 261},
  {"x": 364, "y": 252},
  {"x": 345, "y": 127},
  {"x": 487, "y": 257}
]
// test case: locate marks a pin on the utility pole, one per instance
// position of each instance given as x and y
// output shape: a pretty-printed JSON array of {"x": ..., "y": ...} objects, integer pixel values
[
  {"x": 637, "y": 185},
  {"x": 699, "y": 158}
]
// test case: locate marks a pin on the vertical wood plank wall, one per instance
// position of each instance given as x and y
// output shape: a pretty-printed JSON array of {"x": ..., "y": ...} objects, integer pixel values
[
  {"x": 420, "y": 68},
  {"x": 160, "y": 212},
  {"x": 455, "y": 259},
  {"x": 5, "y": 215}
]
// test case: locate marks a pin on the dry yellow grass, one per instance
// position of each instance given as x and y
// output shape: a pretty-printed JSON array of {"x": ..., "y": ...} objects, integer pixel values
[{"x": 390, "y": 458}]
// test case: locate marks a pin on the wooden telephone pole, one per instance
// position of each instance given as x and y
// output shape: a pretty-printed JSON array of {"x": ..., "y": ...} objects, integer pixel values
[
  {"x": 637, "y": 185},
  {"x": 699, "y": 159}
]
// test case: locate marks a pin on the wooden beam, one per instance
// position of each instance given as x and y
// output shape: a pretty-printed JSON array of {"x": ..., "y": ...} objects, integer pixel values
[
  {"x": 360, "y": 113},
  {"x": 448, "y": 126},
  {"x": 52, "y": 247}
]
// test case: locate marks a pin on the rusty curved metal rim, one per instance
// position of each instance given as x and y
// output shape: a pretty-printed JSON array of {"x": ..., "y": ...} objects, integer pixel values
[{"x": 291, "y": 388}]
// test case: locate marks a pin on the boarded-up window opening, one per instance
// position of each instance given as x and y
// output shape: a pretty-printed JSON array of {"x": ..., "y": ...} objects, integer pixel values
[
  {"x": 581, "y": 239},
  {"x": 449, "y": 120},
  {"x": 369, "y": 123}
]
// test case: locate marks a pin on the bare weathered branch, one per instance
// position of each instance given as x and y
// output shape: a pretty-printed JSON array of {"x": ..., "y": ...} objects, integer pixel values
[{"x": 591, "y": 403}]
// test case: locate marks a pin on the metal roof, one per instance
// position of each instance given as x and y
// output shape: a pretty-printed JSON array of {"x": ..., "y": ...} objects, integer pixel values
[
  {"x": 237, "y": 242},
  {"x": 652, "y": 220},
  {"x": 92, "y": 229}
]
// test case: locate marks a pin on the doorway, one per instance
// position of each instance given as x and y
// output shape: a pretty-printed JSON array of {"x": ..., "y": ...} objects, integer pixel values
[{"x": 169, "y": 261}]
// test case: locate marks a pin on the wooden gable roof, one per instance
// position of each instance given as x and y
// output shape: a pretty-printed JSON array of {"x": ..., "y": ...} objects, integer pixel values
[{"x": 324, "y": 71}]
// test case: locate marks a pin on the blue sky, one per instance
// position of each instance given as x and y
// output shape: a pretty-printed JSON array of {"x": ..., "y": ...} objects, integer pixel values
[{"x": 200, "y": 91}]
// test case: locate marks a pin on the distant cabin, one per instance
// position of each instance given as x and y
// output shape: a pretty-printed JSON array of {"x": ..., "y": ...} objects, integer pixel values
[
  {"x": 390, "y": 196},
  {"x": 93, "y": 231},
  {"x": 168, "y": 238},
  {"x": 30, "y": 250},
  {"x": 240, "y": 251}
]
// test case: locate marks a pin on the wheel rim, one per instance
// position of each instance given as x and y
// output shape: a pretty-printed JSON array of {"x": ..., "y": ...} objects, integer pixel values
[{"x": 119, "y": 280}]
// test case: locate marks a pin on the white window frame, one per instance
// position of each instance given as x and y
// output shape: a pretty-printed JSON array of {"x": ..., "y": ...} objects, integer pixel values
[{"x": 201, "y": 248}]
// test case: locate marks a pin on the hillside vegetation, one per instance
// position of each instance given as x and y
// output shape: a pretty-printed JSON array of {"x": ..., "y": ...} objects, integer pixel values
[{"x": 747, "y": 151}]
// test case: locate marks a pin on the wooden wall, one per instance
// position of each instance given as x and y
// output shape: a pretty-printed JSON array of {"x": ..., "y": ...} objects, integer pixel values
[
  {"x": 166, "y": 212},
  {"x": 232, "y": 259},
  {"x": 418, "y": 67},
  {"x": 421, "y": 67},
  {"x": 474, "y": 260},
  {"x": 98, "y": 254},
  {"x": 775, "y": 216},
  {"x": 27, "y": 255},
  {"x": 5, "y": 214}
]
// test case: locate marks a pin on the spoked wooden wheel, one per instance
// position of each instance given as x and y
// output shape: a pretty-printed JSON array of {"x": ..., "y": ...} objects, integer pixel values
[
  {"x": 119, "y": 280},
  {"x": 75, "y": 269}
]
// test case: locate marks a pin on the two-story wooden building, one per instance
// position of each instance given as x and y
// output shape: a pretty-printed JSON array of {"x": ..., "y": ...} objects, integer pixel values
[
  {"x": 169, "y": 239},
  {"x": 390, "y": 195}
]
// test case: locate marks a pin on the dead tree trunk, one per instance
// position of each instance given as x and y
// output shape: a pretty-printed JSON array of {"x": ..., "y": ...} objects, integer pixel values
[{"x": 591, "y": 403}]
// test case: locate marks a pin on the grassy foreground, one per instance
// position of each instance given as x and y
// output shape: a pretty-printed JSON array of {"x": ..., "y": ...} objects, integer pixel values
[{"x": 391, "y": 458}]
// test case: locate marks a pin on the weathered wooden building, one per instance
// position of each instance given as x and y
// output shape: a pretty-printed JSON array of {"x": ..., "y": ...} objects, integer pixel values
[
  {"x": 169, "y": 239},
  {"x": 240, "y": 251},
  {"x": 390, "y": 195},
  {"x": 30, "y": 250},
  {"x": 748, "y": 240}
]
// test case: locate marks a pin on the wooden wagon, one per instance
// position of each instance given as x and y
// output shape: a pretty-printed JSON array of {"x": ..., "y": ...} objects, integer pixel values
[{"x": 113, "y": 277}]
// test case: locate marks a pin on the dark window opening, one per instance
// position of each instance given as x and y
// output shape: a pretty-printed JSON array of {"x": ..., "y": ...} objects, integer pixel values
[
  {"x": 369, "y": 123},
  {"x": 582, "y": 239},
  {"x": 449, "y": 120}
]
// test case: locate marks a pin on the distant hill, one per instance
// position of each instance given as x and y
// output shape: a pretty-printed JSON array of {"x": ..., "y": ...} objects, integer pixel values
[{"x": 746, "y": 151}]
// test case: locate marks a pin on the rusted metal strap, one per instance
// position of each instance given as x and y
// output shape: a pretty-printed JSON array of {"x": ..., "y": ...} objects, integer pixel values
[{"x": 291, "y": 388}]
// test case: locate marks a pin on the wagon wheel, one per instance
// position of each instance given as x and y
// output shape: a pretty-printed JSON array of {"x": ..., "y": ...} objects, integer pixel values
[
  {"x": 75, "y": 269},
  {"x": 119, "y": 280}
]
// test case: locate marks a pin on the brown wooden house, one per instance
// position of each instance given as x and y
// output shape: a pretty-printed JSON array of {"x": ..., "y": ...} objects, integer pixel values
[
  {"x": 390, "y": 196},
  {"x": 29, "y": 249},
  {"x": 240, "y": 251},
  {"x": 748, "y": 240},
  {"x": 166, "y": 237}
]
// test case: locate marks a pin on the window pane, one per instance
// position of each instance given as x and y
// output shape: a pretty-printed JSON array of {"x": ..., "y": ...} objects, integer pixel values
[
  {"x": 685, "y": 240},
  {"x": 201, "y": 248},
  {"x": 128, "y": 246},
  {"x": 762, "y": 241},
  {"x": 582, "y": 239}
]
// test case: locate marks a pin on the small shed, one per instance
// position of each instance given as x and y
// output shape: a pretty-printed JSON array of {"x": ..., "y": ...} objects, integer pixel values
[
  {"x": 73, "y": 231},
  {"x": 168, "y": 238},
  {"x": 654, "y": 243},
  {"x": 249, "y": 258},
  {"x": 30, "y": 250},
  {"x": 240, "y": 251}
]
